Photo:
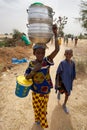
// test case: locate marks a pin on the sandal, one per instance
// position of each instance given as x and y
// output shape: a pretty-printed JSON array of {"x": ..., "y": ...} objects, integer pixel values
[
  {"x": 58, "y": 96},
  {"x": 65, "y": 109}
]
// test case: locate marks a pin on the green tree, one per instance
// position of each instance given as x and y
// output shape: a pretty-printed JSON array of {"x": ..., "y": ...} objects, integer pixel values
[
  {"x": 83, "y": 13},
  {"x": 61, "y": 21},
  {"x": 16, "y": 34}
]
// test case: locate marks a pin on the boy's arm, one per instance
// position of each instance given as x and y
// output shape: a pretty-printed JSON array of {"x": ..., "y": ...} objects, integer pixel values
[
  {"x": 56, "y": 82},
  {"x": 58, "y": 78}
]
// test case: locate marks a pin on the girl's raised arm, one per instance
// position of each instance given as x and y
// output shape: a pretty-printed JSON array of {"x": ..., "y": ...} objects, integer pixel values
[{"x": 54, "y": 53}]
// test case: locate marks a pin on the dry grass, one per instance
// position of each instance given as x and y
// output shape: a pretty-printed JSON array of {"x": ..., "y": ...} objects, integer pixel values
[{"x": 81, "y": 66}]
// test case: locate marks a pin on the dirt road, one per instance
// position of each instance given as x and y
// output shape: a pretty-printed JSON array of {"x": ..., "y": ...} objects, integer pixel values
[{"x": 17, "y": 113}]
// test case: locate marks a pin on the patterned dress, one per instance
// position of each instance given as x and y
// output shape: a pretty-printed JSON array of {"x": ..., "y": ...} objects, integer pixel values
[{"x": 41, "y": 87}]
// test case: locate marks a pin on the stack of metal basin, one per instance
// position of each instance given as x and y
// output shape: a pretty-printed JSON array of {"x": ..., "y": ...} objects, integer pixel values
[{"x": 40, "y": 21}]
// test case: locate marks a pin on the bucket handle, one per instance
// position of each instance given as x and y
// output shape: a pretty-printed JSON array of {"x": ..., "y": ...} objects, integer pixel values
[
  {"x": 27, "y": 10},
  {"x": 27, "y": 25},
  {"x": 53, "y": 13}
]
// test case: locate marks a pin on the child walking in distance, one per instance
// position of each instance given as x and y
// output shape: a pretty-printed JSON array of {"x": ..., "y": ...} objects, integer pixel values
[
  {"x": 65, "y": 75},
  {"x": 38, "y": 70},
  {"x": 76, "y": 40}
]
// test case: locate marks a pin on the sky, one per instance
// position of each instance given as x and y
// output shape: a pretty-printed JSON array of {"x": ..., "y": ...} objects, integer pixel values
[{"x": 13, "y": 14}]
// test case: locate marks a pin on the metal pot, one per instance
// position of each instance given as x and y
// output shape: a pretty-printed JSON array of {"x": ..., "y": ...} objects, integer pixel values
[
  {"x": 40, "y": 32},
  {"x": 40, "y": 14}
]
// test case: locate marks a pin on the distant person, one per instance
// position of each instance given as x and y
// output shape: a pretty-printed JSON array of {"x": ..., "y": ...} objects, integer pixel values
[
  {"x": 76, "y": 40},
  {"x": 72, "y": 38},
  {"x": 38, "y": 70},
  {"x": 66, "y": 40},
  {"x": 59, "y": 40},
  {"x": 65, "y": 75}
]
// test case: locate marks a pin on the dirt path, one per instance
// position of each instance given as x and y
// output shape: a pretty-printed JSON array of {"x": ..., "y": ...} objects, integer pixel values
[{"x": 17, "y": 113}]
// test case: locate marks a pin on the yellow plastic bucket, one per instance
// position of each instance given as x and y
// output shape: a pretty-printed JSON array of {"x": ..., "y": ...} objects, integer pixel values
[{"x": 23, "y": 86}]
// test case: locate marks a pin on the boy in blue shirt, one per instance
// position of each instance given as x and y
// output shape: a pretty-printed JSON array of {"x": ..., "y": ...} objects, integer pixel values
[{"x": 65, "y": 75}]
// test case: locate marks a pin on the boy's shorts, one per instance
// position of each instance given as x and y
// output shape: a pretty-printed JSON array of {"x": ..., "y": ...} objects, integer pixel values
[{"x": 62, "y": 89}]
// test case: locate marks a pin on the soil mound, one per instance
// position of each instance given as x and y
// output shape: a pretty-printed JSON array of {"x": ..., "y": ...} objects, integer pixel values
[{"x": 7, "y": 53}]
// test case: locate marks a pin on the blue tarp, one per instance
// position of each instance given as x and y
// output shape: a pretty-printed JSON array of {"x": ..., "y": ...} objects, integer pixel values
[{"x": 18, "y": 61}]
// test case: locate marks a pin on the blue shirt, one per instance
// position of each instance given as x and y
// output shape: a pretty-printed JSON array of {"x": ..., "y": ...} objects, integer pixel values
[{"x": 67, "y": 73}]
